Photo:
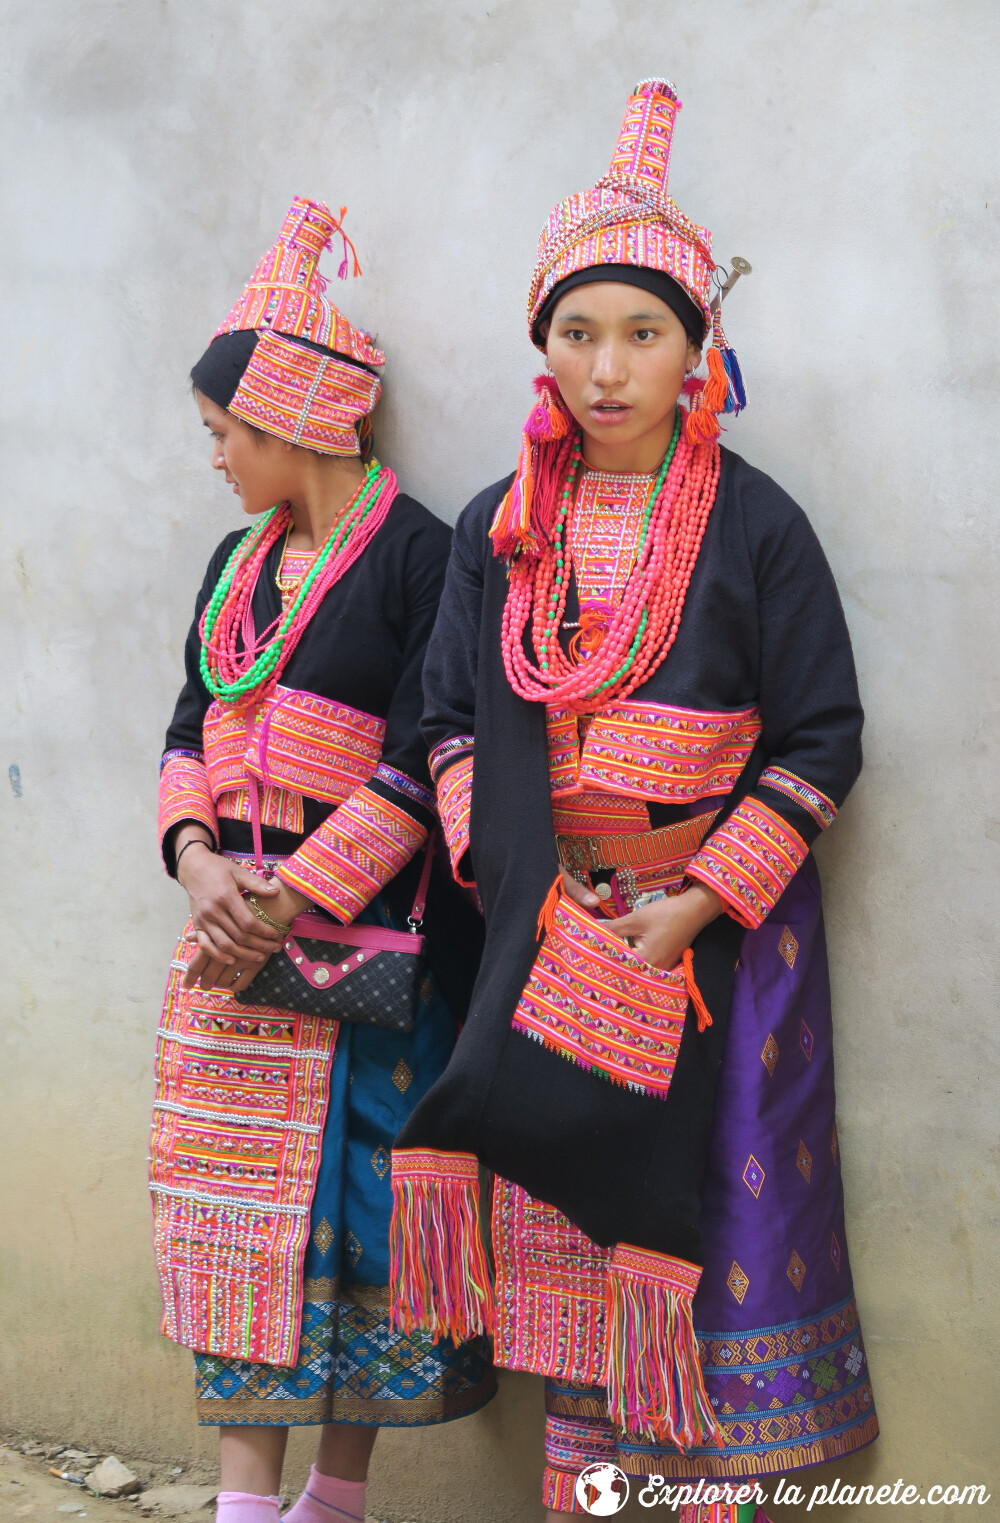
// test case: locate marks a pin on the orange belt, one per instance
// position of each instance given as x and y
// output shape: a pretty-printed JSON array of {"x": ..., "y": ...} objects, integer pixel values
[{"x": 647, "y": 848}]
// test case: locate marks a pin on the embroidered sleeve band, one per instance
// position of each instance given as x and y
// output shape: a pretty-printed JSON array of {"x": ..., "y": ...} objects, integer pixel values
[
  {"x": 448, "y": 753},
  {"x": 184, "y": 792},
  {"x": 394, "y": 781},
  {"x": 453, "y": 777},
  {"x": 354, "y": 853},
  {"x": 800, "y": 792},
  {"x": 749, "y": 861}
]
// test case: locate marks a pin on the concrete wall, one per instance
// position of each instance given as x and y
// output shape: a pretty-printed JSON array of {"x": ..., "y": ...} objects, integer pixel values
[{"x": 848, "y": 150}]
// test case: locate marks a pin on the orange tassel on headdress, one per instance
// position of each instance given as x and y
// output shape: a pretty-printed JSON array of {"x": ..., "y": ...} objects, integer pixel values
[
  {"x": 722, "y": 392},
  {"x": 716, "y": 392},
  {"x": 702, "y": 426}
]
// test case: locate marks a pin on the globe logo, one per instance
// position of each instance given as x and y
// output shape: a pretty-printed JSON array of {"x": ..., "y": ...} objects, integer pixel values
[{"x": 602, "y": 1490}]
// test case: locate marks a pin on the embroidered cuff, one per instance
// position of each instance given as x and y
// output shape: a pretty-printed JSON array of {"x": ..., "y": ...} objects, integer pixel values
[
  {"x": 749, "y": 861},
  {"x": 448, "y": 753},
  {"x": 822, "y": 809},
  {"x": 353, "y": 854},
  {"x": 389, "y": 780},
  {"x": 451, "y": 769},
  {"x": 184, "y": 793}
]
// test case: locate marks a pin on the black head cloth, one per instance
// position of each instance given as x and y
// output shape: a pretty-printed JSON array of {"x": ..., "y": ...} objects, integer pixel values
[{"x": 653, "y": 281}]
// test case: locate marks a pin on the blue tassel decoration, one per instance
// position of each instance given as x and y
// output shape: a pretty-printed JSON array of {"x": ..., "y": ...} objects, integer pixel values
[{"x": 737, "y": 399}]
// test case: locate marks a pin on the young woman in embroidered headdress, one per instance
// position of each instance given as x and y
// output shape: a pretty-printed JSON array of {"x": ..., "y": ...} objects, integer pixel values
[
  {"x": 295, "y": 779},
  {"x": 642, "y": 634}
]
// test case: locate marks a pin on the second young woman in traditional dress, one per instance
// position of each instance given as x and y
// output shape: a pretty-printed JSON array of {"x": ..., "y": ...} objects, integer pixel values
[
  {"x": 295, "y": 779},
  {"x": 642, "y": 709}
]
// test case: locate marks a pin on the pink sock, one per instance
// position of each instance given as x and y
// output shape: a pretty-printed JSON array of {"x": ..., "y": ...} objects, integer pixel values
[
  {"x": 244, "y": 1507},
  {"x": 328, "y": 1500}
]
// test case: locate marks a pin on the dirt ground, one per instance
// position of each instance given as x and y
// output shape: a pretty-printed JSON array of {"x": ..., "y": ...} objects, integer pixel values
[
  {"x": 28, "y": 1490},
  {"x": 30, "y": 1493}
]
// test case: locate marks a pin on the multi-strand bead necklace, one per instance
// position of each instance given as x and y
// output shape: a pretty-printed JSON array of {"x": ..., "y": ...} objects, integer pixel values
[
  {"x": 236, "y": 666},
  {"x": 642, "y": 630}
]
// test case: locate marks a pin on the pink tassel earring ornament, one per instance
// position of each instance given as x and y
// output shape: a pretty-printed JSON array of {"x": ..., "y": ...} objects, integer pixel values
[
  {"x": 522, "y": 524},
  {"x": 548, "y": 419}
]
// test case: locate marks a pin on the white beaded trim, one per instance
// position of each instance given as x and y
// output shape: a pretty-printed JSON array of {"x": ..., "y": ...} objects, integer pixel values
[
  {"x": 196, "y": 1114},
  {"x": 246, "y": 1207}
]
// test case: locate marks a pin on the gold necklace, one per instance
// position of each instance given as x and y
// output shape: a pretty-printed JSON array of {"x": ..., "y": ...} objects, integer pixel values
[{"x": 288, "y": 586}]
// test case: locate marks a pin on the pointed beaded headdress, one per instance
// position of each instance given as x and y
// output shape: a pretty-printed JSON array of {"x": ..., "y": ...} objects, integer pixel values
[
  {"x": 307, "y": 396},
  {"x": 629, "y": 219}
]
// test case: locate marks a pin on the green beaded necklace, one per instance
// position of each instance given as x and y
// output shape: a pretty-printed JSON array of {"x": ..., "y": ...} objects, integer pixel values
[{"x": 220, "y": 662}]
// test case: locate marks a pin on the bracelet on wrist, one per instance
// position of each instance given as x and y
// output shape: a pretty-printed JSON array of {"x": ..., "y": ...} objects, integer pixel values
[
  {"x": 265, "y": 919},
  {"x": 194, "y": 841}
]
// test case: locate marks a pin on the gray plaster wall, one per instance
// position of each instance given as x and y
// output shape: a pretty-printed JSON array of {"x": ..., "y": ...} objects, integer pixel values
[{"x": 151, "y": 148}]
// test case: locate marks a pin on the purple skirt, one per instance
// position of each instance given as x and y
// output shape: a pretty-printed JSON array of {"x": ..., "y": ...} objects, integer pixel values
[{"x": 775, "y": 1314}]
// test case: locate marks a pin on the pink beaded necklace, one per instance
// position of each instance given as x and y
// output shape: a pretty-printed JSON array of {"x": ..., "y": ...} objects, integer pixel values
[{"x": 644, "y": 627}]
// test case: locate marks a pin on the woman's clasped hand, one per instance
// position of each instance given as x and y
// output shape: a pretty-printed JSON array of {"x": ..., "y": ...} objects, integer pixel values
[
  {"x": 233, "y": 943},
  {"x": 658, "y": 932}
]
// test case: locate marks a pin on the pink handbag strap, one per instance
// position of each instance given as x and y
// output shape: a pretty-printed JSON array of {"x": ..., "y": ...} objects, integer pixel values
[
  {"x": 416, "y": 915},
  {"x": 253, "y": 792},
  {"x": 420, "y": 902}
]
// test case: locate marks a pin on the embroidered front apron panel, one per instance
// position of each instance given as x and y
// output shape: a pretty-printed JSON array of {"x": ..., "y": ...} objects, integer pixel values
[{"x": 241, "y": 1097}]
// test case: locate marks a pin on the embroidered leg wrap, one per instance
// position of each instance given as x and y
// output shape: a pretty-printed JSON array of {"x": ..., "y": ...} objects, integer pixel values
[
  {"x": 721, "y": 1512},
  {"x": 654, "y": 1381},
  {"x": 438, "y": 1274},
  {"x": 577, "y": 1434}
]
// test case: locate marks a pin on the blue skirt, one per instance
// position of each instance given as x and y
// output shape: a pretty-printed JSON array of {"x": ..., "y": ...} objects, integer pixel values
[{"x": 352, "y": 1368}]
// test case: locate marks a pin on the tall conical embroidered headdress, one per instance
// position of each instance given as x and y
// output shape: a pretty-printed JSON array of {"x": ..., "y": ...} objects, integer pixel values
[
  {"x": 629, "y": 219},
  {"x": 627, "y": 223},
  {"x": 309, "y": 378}
]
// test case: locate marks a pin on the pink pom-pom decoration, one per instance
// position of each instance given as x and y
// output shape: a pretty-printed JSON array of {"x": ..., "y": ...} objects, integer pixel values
[{"x": 548, "y": 419}]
